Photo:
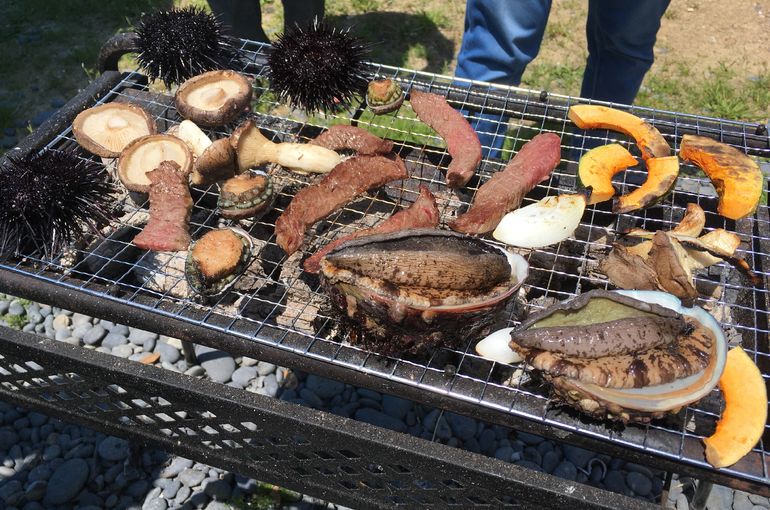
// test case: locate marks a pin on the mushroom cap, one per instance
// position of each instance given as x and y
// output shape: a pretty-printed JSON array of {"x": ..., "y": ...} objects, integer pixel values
[
  {"x": 106, "y": 130},
  {"x": 145, "y": 154},
  {"x": 215, "y": 164},
  {"x": 214, "y": 98}
]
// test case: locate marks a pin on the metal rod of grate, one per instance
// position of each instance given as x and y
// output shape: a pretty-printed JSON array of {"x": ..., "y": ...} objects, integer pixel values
[
  {"x": 278, "y": 311},
  {"x": 299, "y": 448}
]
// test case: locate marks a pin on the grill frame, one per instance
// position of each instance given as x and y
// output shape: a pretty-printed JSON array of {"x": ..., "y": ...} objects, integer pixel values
[{"x": 433, "y": 382}]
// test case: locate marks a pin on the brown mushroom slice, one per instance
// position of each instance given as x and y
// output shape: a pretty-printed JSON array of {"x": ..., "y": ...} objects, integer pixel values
[
  {"x": 628, "y": 270},
  {"x": 213, "y": 161},
  {"x": 105, "y": 130},
  {"x": 213, "y": 98},
  {"x": 145, "y": 154},
  {"x": 670, "y": 261}
]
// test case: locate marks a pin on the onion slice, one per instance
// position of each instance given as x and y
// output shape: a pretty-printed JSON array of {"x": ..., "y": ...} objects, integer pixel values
[{"x": 549, "y": 221}]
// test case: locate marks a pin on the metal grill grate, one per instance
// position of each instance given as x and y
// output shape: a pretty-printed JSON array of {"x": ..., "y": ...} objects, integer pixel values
[{"x": 276, "y": 307}]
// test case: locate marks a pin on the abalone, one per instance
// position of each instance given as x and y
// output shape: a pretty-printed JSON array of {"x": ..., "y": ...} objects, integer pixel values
[{"x": 414, "y": 290}]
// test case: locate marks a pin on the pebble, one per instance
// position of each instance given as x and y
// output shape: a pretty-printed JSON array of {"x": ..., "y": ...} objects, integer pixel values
[
  {"x": 113, "y": 449},
  {"x": 550, "y": 461},
  {"x": 139, "y": 336},
  {"x": 270, "y": 386},
  {"x": 243, "y": 375},
  {"x": 464, "y": 427},
  {"x": 530, "y": 439},
  {"x": 741, "y": 501},
  {"x": 8, "y": 438},
  {"x": 681, "y": 502},
  {"x": 311, "y": 398},
  {"x": 122, "y": 351},
  {"x": 396, "y": 407},
  {"x": 324, "y": 388},
  {"x": 6, "y": 472},
  {"x": 759, "y": 500},
  {"x": 263, "y": 367},
  {"x": 16, "y": 309},
  {"x": 219, "y": 365},
  {"x": 168, "y": 353},
  {"x": 578, "y": 456},
  {"x": 169, "y": 487},
  {"x": 93, "y": 335},
  {"x": 379, "y": 419},
  {"x": 720, "y": 497},
  {"x": 191, "y": 477},
  {"x": 639, "y": 483},
  {"x": 66, "y": 482},
  {"x": 566, "y": 469},
  {"x": 138, "y": 488},
  {"x": 9, "y": 490},
  {"x": 218, "y": 490},
  {"x": 113, "y": 340},
  {"x": 615, "y": 481}
]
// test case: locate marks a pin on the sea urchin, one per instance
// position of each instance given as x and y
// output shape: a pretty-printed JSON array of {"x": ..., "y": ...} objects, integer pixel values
[
  {"x": 47, "y": 199},
  {"x": 317, "y": 67},
  {"x": 181, "y": 43}
]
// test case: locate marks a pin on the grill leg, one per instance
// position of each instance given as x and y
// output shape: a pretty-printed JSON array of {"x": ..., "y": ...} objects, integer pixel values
[
  {"x": 702, "y": 491},
  {"x": 188, "y": 348}
]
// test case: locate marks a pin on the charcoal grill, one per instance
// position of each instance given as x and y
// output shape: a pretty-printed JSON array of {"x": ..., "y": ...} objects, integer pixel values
[{"x": 279, "y": 314}]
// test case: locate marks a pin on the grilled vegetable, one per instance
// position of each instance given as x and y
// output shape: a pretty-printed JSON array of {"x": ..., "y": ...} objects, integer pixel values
[
  {"x": 597, "y": 167},
  {"x": 651, "y": 143},
  {"x": 661, "y": 176},
  {"x": 736, "y": 177},
  {"x": 549, "y": 221}
]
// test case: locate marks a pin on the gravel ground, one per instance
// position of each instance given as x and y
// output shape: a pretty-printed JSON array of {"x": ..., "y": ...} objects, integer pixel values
[{"x": 46, "y": 463}]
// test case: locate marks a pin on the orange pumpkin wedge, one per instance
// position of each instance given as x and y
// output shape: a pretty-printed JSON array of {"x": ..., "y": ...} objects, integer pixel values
[
  {"x": 597, "y": 167},
  {"x": 743, "y": 419},
  {"x": 736, "y": 177},
  {"x": 651, "y": 143},
  {"x": 661, "y": 176}
]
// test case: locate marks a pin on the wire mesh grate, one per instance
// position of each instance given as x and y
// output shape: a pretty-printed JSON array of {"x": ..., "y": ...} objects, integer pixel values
[{"x": 276, "y": 305}]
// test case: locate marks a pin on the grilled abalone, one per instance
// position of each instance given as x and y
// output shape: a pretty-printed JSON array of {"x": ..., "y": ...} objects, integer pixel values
[
  {"x": 216, "y": 260},
  {"x": 416, "y": 289},
  {"x": 625, "y": 355}
]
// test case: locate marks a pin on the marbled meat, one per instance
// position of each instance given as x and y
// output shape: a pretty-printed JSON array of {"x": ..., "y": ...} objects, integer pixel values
[
  {"x": 507, "y": 188},
  {"x": 346, "y": 181},
  {"x": 461, "y": 140},
  {"x": 423, "y": 213},
  {"x": 170, "y": 209},
  {"x": 344, "y": 137}
]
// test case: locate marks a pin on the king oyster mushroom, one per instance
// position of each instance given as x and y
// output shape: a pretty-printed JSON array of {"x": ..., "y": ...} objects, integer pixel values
[
  {"x": 215, "y": 261},
  {"x": 147, "y": 153},
  {"x": 105, "y": 130},
  {"x": 213, "y": 160},
  {"x": 214, "y": 98},
  {"x": 413, "y": 290},
  {"x": 623, "y": 355}
]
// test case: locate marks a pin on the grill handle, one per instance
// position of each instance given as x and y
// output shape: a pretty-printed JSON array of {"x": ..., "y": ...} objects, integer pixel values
[{"x": 115, "y": 47}]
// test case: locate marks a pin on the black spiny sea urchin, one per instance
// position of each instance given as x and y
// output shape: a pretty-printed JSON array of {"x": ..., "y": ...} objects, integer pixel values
[
  {"x": 317, "y": 67},
  {"x": 47, "y": 199},
  {"x": 178, "y": 44}
]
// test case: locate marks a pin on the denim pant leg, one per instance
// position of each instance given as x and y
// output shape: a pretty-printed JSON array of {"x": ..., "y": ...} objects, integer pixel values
[
  {"x": 621, "y": 36},
  {"x": 500, "y": 38}
]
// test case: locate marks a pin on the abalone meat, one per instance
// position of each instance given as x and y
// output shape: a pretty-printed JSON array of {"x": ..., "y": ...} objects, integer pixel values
[
  {"x": 623, "y": 355},
  {"x": 417, "y": 289}
]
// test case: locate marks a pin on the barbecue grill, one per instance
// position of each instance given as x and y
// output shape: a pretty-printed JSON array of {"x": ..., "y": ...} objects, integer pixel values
[{"x": 278, "y": 313}]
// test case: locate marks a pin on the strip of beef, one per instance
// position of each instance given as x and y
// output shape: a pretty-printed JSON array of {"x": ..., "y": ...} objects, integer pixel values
[
  {"x": 461, "y": 140},
  {"x": 422, "y": 213},
  {"x": 340, "y": 137},
  {"x": 170, "y": 209},
  {"x": 345, "y": 182},
  {"x": 506, "y": 189}
]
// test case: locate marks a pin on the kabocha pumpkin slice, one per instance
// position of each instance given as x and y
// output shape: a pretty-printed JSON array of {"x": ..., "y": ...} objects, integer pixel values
[
  {"x": 745, "y": 414},
  {"x": 736, "y": 177},
  {"x": 651, "y": 143},
  {"x": 599, "y": 165},
  {"x": 661, "y": 176}
]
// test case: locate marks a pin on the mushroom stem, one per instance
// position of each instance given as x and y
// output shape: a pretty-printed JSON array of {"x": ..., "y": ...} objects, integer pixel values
[{"x": 254, "y": 149}]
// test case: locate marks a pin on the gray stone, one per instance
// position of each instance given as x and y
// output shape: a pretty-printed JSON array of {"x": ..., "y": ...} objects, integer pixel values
[
  {"x": 681, "y": 502},
  {"x": 62, "y": 334},
  {"x": 112, "y": 340},
  {"x": 615, "y": 481},
  {"x": 578, "y": 456},
  {"x": 741, "y": 501},
  {"x": 219, "y": 365},
  {"x": 182, "y": 495},
  {"x": 41, "y": 472},
  {"x": 66, "y": 482},
  {"x": 218, "y": 505},
  {"x": 93, "y": 335},
  {"x": 148, "y": 345},
  {"x": 369, "y": 415},
  {"x": 79, "y": 319},
  {"x": 243, "y": 375},
  {"x": 630, "y": 466},
  {"x": 265, "y": 368},
  {"x": 195, "y": 371},
  {"x": 170, "y": 488},
  {"x": 759, "y": 500},
  {"x": 138, "y": 488},
  {"x": 530, "y": 439},
  {"x": 139, "y": 336},
  {"x": 37, "y": 419},
  {"x": 531, "y": 454},
  {"x": 324, "y": 388},
  {"x": 191, "y": 477},
  {"x": 113, "y": 449},
  {"x": 36, "y": 490},
  {"x": 119, "y": 329},
  {"x": 269, "y": 386},
  {"x": 565, "y": 469},
  {"x": 396, "y": 407},
  {"x": 550, "y": 461},
  {"x": 720, "y": 497},
  {"x": 16, "y": 309},
  {"x": 218, "y": 490},
  {"x": 6, "y": 472},
  {"x": 311, "y": 398},
  {"x": 168, "y": 353},
  {"x": 33, "y": 505},
  {"x": 487, "y": 442},
  {"x": 4, "y": 305},
  {"x": 8, "y": 438},
  {"x": 122, "y": 351},
  {"x": 504, "y": 453},
  {"x": 8, "y": 489},
  {"x": 639, "y": 483}
]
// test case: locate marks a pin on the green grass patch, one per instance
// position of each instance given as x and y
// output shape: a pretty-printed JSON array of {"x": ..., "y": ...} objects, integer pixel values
[
  {"x": 561, "y": 78},
  {"x": 15, "y": 321}
]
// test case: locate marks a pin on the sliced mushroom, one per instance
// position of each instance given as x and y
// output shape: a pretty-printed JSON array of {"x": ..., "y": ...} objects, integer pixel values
[
  {"x": 669, "y": 260},
  {"x": 214, "y": 161},
  {"x": 214, "y": 98},
  {"x": 253, "y": 149},
  {"x": 145, "y": 154},
  {"x": 107, "y": 129},
  {"x": 628, "y": 270}
]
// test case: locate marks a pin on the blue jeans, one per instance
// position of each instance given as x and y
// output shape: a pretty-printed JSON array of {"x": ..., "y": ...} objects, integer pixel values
[{"x": 502, "y": 36}]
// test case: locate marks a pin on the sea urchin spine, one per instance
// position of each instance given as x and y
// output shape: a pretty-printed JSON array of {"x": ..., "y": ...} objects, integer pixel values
[
  {"x": 317, "y": 67},
  {"x": 178, "y": 44},
  {"x": 48, "y": 199}
]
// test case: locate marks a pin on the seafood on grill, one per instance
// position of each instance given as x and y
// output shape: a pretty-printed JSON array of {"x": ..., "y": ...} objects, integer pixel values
[
  {"x": 245, "y": 195},
  {"x": 216, "y": 260},
  {"x": 630, "y": 356},
  {"x": 418, "y": 289},
  {"x": 384, "y": 96}
]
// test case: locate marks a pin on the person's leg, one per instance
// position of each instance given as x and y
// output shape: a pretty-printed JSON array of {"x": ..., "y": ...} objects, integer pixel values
[
  {"x": 242, "y": 18},
  {"x": 621, "y": 36},
  {"x": 500, "y": 38},
  {"x": 301, "y": 12}
]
